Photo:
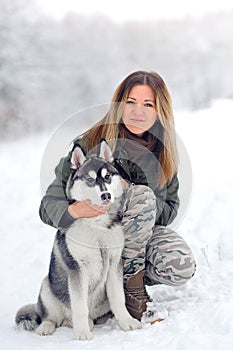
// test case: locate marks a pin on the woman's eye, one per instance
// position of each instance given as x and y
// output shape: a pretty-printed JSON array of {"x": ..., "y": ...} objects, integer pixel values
[
  {"x": 130, "y": 102},
  {"x": 149, "y": 105}
]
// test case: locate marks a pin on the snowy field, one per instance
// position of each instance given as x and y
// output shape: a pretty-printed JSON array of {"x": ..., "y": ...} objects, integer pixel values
[{"x": 200, "y": 314}]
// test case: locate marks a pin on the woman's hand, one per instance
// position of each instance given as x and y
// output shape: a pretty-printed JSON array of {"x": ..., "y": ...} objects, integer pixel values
[{"x": 85, "y": 209}]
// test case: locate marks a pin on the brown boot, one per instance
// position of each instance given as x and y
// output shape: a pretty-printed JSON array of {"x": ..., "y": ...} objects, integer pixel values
[{"x": 136, "y": 295}]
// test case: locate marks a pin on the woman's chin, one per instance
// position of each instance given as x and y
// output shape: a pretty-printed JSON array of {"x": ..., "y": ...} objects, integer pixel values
[{"x": 135, "y": 130}]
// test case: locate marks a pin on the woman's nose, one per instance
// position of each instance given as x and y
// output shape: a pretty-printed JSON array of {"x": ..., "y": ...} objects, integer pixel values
[{"x": 138, "y": 109}]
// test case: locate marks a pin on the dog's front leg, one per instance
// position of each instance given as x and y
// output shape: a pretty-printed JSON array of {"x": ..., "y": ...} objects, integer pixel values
[
  {"x": 116, "y": 297},
  {"x": 78, "y": 289}
]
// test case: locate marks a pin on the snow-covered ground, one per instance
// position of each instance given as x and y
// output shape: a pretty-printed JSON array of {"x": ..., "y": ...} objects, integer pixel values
[{"x": 200, "y": 313}]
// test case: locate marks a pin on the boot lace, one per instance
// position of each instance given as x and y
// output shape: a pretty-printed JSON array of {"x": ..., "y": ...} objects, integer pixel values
[{"x": 139, "y": 294}]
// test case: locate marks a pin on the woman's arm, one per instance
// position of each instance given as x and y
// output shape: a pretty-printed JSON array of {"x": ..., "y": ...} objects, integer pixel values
[
  {"x": 55, "y": 209},
  {"x": 54, "y": 205},
  {"x": 167, "y": 202}
]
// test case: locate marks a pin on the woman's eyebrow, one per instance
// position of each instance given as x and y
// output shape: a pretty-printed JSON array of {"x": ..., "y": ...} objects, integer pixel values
[
  {"x": 146, "y": 100},
  {"x": 149, "y": 100}
]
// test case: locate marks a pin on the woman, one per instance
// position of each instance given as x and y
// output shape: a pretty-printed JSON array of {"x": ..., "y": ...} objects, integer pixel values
[{"x": 139, "y": 127}]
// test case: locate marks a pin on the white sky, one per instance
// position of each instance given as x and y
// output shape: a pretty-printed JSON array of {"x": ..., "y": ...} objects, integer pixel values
[{"x": 120, "y": 10}]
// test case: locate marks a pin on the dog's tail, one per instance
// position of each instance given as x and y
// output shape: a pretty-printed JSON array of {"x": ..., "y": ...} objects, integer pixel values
[{"x": 28, "y": 318}]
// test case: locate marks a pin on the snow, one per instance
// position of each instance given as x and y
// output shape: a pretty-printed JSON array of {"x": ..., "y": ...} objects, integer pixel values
[{"x": 199, "y": 314}]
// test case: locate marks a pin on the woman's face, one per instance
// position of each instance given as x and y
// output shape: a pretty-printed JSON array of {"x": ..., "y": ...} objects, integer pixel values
[{"x": 140, "y": 111}]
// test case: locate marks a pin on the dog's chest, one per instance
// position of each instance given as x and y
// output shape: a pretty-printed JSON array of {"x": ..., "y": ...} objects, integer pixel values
[
  {"x": 94, "y": 248},
  {"x": 84, "y": 233}
]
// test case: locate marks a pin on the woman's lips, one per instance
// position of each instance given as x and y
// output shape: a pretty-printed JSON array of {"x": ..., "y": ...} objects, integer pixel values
[{"x": 137, "y": 120}]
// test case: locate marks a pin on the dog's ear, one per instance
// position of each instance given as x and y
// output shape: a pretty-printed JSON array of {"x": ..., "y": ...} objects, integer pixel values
[
  {"x": 105, "y": 151},
  {"x": 77, "y": 158}
]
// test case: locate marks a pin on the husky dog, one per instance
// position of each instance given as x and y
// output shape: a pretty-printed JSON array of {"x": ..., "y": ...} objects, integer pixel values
[{"x": 85, "y": 279}]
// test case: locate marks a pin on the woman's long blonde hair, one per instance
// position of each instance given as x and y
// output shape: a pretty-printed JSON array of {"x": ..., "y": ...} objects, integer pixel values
[{"x": 108, "y": 126}]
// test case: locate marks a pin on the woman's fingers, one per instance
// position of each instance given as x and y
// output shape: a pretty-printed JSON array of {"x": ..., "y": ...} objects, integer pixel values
[{"x": 85, "y": 209}]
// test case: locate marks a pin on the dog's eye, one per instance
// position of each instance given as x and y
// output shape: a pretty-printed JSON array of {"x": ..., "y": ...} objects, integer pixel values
[
  {"x": 107, "y": 176},
  {"x": 90, "y": 180}
]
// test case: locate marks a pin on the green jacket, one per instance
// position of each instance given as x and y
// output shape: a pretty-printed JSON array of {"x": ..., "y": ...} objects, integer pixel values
[{"x": 141, "y": 171}]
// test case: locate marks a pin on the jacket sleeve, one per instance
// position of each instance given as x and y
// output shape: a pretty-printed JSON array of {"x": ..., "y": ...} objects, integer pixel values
[
  {"x": 54, "y": 205},
  {"x": 167, "y": 202}
]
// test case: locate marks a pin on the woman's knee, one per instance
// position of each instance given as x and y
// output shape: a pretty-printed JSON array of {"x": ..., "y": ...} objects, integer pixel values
[
  {"x": 140, "y": 195},
  {"x": 172, "y": 270},
  {"x": 179, "y": 269},
  {"x": 169, "y": 259},
  {"x": 138, "y": 216}
]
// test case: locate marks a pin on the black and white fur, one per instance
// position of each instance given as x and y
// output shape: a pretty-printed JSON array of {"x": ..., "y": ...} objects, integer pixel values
[{"x": 85, "y": 276}]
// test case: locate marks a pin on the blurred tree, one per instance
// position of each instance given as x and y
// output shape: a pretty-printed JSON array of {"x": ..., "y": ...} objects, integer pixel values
[
  {"x": 51, "y": 69},
  {"x": 16, "y": 38}
]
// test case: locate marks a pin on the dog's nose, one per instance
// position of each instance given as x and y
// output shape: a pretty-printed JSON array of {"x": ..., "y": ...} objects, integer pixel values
[{"x": 105, "y": 197}]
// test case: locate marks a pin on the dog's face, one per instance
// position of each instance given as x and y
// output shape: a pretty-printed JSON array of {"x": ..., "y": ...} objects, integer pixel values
[{"x": 94, "y": 178}]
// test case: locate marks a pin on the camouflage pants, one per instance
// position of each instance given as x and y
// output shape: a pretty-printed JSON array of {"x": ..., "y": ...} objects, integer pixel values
[{"x": 158, "y": 250}]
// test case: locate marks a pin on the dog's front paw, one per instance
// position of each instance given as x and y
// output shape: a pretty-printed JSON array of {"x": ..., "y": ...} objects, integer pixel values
[
  {"x": 130, "y": 324},
  {"x": 46, "y": 328},
  {"x": 83, "y": 334}
]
